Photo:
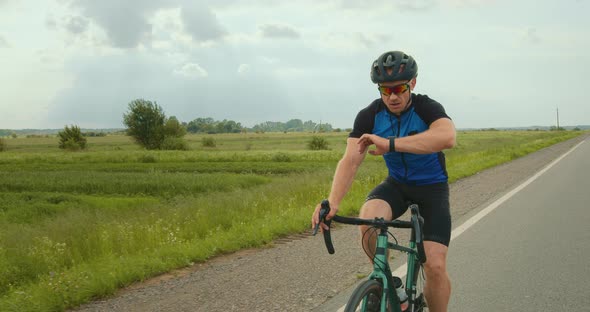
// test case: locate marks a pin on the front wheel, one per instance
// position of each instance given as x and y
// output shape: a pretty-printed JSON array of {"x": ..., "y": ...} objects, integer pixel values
[{"x": 366, "y": 297}]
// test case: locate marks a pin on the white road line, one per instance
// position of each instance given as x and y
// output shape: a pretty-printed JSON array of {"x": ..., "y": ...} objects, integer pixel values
[{"x": 401, "y": 271}]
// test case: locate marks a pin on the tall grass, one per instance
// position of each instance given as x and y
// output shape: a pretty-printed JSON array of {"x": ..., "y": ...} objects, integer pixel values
[
  {"x": 155, "y": 183},
  {"x": 74, "y": 227}
]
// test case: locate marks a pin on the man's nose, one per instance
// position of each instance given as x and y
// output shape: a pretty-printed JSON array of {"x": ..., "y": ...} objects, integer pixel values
[{"x": 393, "y": 96}]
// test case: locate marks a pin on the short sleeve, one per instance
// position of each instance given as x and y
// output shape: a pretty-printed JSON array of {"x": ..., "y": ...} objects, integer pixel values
[
  {"x": 364, "y": 121},
  {"x": 429, "y": 110}
]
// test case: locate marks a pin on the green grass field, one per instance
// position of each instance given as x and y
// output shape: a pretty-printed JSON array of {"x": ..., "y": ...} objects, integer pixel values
[{"x": 76, "y": 226}]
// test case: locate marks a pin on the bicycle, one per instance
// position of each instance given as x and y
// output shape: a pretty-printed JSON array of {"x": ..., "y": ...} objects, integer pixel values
[{"x": 378, "y": 292}]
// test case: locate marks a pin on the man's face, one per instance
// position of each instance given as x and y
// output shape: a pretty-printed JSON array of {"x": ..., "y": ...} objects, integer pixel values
[{"x": 396, "y": 94}]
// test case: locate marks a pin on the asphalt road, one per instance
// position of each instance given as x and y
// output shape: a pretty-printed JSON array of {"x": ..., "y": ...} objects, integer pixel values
[{"x": 530, "y": 253}]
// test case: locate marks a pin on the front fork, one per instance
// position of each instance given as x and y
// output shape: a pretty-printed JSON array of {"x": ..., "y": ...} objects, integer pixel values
[{"x": 413, "y": 270}]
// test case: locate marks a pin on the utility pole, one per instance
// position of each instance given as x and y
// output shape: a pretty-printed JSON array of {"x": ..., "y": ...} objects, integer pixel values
[{"x": 558, "y": 119}]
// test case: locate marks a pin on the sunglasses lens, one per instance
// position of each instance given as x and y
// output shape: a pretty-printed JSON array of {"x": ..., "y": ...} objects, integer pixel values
[{"x": 399, "y": 89}]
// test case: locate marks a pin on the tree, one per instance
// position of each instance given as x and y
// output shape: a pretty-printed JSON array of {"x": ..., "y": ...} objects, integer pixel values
[
  {"x": 71, "y": 138},
  {"x": 173, "y": 128},
  {"x": 294, "y": 125},
  {"x": 201, "y": 125},
  {"x": 145, "y": 123}
]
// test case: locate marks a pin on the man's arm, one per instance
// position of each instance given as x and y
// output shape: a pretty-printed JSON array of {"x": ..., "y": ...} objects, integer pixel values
[
  {"x": 440, "y": 135},
  {"x": 343, "y": 178},
  {"x": 345, "y": 171}
]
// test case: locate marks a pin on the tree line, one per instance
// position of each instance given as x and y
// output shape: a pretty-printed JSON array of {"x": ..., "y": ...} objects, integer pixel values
[
  {"x": 148, "y": 125},
  {"x": 210, "y": 125}
]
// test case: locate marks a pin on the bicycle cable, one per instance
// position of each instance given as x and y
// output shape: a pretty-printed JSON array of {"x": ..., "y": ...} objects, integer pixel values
[{"x": 381, "y": 265}]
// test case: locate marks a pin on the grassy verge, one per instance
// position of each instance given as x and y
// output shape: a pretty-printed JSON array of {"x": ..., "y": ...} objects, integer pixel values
[{"x": 68, "y": 236}]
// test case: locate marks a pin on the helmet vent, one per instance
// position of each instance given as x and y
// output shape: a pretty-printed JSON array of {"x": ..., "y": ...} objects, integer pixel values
[{"x": 401, "y": 68}]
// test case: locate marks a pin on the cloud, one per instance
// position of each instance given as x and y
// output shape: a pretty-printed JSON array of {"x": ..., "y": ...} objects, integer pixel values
[
  {"x": 278, "y": 31},
  {"x": 243, "y": 69},
  {"x": 192, "y": 70},
  {"x": 3, "y": 42},
  {"x": 201, "y": 23},
  {"x": 76, "y": 24},
  {"x": 125, "y": 22}
]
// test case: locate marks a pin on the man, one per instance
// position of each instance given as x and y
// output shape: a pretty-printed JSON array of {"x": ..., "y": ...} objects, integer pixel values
[{"x": 410, "y": 131}]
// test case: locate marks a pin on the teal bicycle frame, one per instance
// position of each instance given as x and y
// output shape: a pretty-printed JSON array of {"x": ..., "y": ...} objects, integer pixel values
[{"x": 381, "y": 269}]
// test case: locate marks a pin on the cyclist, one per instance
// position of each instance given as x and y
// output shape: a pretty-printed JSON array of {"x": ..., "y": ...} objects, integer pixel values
[{"x": 410, "y": 131}]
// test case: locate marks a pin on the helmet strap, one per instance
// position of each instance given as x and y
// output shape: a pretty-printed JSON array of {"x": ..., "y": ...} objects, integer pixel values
[{"x": 408, "y": 102}]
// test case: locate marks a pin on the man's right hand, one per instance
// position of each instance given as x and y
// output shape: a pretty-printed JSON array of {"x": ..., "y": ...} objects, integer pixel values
[{"x": 315, "y": 218}]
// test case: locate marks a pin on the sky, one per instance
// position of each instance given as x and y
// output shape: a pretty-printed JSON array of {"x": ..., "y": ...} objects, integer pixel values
[{"x": 490, "y": 63}]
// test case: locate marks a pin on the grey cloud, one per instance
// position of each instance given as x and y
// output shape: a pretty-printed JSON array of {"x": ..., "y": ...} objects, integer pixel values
[
  {"x": 126, "y": 22},
  {"x": 76, "y": 24},
  {"x": 201, "y": 23},
  {"x": 279, "y": 31},
  {"x": 3, "y": 42}
]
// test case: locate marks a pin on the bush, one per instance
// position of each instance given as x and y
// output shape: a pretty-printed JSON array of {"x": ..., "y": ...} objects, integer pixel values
[
  {"x": 208, "y": 142},
  {"x": 148, "y": 158},
  {"x": 173, "y": 143},
  {"x": 2, "y": 145},
  {"x": 317, "y": 143},
  {"x": 94, "y": 134},
  {"x": 281, "y": 157},
  {"x": 71, "y": 139}
]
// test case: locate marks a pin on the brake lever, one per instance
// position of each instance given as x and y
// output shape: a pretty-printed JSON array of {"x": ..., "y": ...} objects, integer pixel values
[{"x": 324, "y": 211}]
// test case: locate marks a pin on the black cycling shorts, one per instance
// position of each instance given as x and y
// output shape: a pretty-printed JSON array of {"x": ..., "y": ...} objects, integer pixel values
[{"x": 433, "y": 201}]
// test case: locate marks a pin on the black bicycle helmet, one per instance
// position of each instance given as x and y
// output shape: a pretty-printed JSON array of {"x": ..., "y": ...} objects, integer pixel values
[{"x": 400, "y": 65}]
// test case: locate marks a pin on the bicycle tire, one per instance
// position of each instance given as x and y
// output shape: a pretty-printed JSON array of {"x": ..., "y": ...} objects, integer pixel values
[{"x": 370, "y": 290}]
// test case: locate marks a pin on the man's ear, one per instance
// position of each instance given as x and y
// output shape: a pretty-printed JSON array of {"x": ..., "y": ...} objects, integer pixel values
[{"x": 412, "y": 84}]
